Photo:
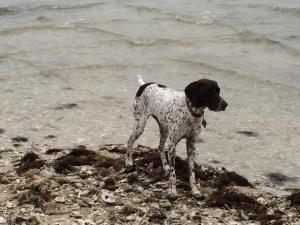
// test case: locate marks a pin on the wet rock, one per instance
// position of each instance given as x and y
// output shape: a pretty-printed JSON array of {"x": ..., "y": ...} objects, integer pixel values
[
  {"x": 279, "y": 178},
  {"x": 50, "y": 136},
  {"x": 248, "y": 133},
  {"x": 66, "y": 106},
  {"x": 19, "y": 139}
]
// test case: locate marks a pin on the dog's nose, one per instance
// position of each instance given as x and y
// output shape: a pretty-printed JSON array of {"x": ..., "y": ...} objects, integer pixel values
[{"x": 224, "y": 105}]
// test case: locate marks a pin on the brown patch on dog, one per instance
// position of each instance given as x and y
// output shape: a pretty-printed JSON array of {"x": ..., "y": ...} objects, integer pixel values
[
  {"x": 143, "y": 87},
  {"x": 204, "y": 92}
]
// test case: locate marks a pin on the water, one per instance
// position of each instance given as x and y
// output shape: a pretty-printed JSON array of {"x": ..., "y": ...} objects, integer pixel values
[{"x": 90, "y": 52}]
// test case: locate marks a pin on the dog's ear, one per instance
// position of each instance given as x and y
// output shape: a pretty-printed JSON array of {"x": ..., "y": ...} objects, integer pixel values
[{"x": 191, "y": 92}]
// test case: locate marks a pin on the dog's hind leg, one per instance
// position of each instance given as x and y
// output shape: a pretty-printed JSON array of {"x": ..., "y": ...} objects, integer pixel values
[
  {"x": 161, "y": 148},
  {"x": 138, "y": 128}
]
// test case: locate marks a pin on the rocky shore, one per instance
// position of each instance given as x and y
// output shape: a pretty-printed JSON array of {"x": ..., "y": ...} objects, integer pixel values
[{"x": 80, "y": 186}]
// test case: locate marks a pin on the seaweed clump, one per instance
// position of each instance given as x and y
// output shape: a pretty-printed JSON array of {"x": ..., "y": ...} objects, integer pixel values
[
  {"x": 228, "y": 178},
  {"x": 235, "y": 200},
  {"x": 77, "y": 157},
  {"x": 29, "y": 161},
  {"x": 36, "y": 194},
  {"x": 294, "y": 198}
]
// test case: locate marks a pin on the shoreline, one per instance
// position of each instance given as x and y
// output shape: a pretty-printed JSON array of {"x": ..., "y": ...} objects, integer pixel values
[{"x": 68, "y": 186}]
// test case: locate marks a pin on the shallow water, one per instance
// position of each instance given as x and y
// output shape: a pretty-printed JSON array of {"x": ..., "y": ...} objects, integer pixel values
[{"x": 90, "y": 53}]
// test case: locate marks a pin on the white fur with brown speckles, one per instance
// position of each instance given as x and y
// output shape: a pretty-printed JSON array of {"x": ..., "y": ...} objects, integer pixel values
[{"x": 175, "y": 123}]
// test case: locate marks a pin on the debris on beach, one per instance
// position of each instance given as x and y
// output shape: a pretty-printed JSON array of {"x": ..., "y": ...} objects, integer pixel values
[{"x": 81, "y": 186}]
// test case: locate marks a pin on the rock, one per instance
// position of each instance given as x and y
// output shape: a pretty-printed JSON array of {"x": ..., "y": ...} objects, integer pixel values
[
  {"x": 270, "y": 190},
  {"x": 108, "y": 197},
  {"x": 244, "y": 216},
  {"x": 261, "y": 201},
  {"x": 88, "y": 201},
  {"x": 47, "y": 173},
  {"x": 154, "y": 205},
  {"x": 2, "y": 220},
  {"x": 60, "y": 199},
  {"x": 165, "y": 204},
  {"x": 76, "y": 214}
]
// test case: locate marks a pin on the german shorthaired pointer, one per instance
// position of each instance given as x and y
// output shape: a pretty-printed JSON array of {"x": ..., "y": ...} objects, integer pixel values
[{"x": 179, "y": 115}]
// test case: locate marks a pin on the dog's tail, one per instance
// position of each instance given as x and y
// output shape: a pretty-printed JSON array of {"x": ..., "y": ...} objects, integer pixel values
[{"x": 140, "y": 80}]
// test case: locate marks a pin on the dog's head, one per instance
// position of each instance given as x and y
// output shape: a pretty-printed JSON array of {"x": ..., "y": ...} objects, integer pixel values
[{"x": 206, "y": 93}]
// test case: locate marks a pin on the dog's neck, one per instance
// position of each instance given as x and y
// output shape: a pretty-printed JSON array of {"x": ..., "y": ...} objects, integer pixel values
[{"x": 195, "y": 111}]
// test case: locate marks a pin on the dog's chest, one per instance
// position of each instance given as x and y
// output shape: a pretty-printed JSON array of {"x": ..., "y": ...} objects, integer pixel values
[{"x": 169, "y": 107}]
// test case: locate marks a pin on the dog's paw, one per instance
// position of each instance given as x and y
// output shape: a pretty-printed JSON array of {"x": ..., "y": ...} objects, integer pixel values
[
  {"x": 198, "y": 196},
  {"x": 128, "y": 162},
  {"x": 172, "y": 197},
  {"x": 166, "y": 169},
  {"x": 129, "y": 169}
]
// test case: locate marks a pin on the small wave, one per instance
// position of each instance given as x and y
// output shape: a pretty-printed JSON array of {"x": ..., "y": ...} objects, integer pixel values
[
  {"x": 19, "y": 30},
  {"x": 205, "y": 20},
  {"x": 205, "y": 65},
  {"x": 62, "y": 7},
  {"x": 141, "y": 41},
  {"x": 151, "y": 41},
  {"x": 248, "y": 36},
  {"x": 142, "y": 8},
  {"x": 66, "y": 25},
  {"x": 291, "y": 11},
  {"x": 8, "y": 11}
]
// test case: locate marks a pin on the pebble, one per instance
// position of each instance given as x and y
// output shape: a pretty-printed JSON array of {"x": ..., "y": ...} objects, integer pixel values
[
  {"x": 261, "y": 201},
  {"x": 60, "y": 199},
  {"x": 47, "y": 173},
  {"x": 78, "y": 200},
  {"x": 2, "y": 220},
  {"x": 165, "y": 204}
]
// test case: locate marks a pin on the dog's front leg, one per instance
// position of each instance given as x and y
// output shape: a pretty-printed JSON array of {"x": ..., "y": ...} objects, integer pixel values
[
  {"x": 190, "y": 145},
  {"x": 172, "y": 179}
]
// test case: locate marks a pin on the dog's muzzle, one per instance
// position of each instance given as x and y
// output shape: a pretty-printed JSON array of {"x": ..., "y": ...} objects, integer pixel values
[{"x": 222, "y": 105}]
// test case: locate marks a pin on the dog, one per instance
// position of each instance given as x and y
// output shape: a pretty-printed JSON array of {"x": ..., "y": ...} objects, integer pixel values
[{"x": 179, "y": 116}]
